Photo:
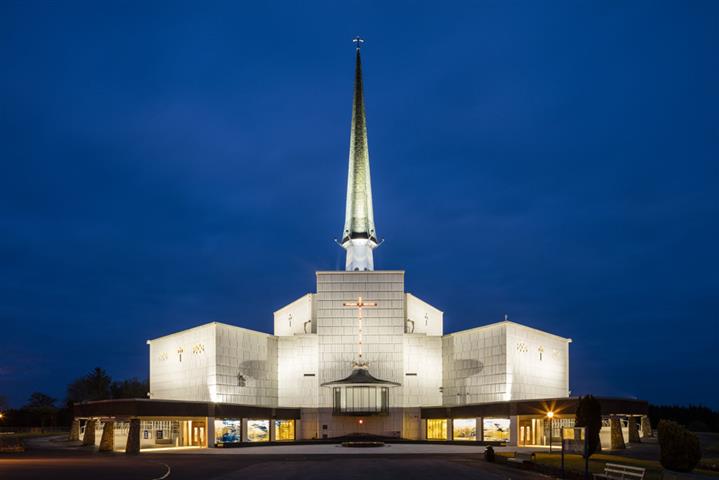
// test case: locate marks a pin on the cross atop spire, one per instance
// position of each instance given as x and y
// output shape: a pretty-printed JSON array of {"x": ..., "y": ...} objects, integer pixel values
[{"x": 359, "y": 41}]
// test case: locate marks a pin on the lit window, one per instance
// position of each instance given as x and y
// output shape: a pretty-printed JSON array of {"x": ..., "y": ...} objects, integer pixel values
[
  {"x": 437, "y": 429},
  {"x": 464, "y": 429},
  {"x": 495, "y": 429},
  {"x": 284, "y": 430},
  {"x": 228, "y": 431},
  {"x": 258, "y": 430}
]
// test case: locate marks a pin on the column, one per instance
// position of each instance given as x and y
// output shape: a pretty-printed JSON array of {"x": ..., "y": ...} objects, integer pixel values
[
  {"x": 89, "y": 437},
  {"x": 513, "y": 430},
  {"x": 298, "y": 429},
  {"x": 273, "y": 433},
  {"x": 616, "y": 438},
  {"x": 450, "y": 429},
  {"x": 633, "y": 430},
  {"x": 75, "y": 430},
  {"x": 480, "y": 429},
  {"x": 210, "y": 432},
  {"x": 244, "y": 430},
  {"x": 423, "y": 429},
  {"x": 646, "y": 427},
  {"x": 107, "y": 441},
  {"x": 133, "y": 437}
]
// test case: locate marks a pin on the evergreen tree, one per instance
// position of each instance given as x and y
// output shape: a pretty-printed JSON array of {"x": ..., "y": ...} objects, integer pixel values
[{"x": 589, "y": 416}]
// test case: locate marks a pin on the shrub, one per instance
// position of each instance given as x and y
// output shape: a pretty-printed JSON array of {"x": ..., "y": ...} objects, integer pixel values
[
  {"x": 679, "y": 449},
  {"x": 589, "y": 415},
  {"x": 489, "y": 454}
]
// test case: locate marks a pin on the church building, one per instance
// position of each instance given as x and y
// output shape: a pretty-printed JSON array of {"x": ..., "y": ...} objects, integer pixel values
[{"x": 358, "y": 356}]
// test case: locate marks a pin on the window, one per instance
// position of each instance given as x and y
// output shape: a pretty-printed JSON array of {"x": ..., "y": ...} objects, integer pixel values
[
  {"x": 464, "y": 429},
  {"x": 284, "y": 430},
  {"x": 541, "y": 353},
  {"x": 258, "y": 430},
  {"x": 361, "y": 400},
  {"x": 437, "y": 429},
  {"x": 228, "y": 431},
  {"x": 495, "y": 429}
]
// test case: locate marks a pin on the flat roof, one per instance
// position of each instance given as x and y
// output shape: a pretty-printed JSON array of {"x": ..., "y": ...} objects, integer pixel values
[
  {"x": 562, "y": 405},
  {"x": 145, "y": 407}
]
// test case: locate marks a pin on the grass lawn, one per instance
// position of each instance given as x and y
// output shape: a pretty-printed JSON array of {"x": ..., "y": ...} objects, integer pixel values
[{"x": 597, "y": 461}]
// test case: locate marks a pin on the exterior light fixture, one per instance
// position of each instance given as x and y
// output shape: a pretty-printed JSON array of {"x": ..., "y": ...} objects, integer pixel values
[{"x": 550, "y": 416}]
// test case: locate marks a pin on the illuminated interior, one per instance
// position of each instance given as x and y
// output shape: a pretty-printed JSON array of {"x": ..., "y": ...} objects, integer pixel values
[
  {"x": 284, "y": 430},
  {"x": 437, "y": 429},
  {"x": 495, "y": 429},
  {"x": 228, "y": 431},
  {"x": 464, "y": 429},
  {"x": 258, "y": 430}
]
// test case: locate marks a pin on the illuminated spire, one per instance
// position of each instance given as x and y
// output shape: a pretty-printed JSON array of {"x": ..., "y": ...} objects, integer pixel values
[{"x": 359, "y": 237}]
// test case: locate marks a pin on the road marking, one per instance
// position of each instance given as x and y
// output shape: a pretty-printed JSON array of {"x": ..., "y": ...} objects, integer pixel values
[{"x": 167, "y": 474}]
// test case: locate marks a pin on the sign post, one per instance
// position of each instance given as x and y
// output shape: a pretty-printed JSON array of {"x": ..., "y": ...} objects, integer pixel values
[{"x": 574, "y": 440}]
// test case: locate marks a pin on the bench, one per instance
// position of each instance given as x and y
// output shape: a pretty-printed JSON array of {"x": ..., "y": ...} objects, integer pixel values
[
  {"x": 614, "y": 471},
  {"x": 521, "y": 457}
]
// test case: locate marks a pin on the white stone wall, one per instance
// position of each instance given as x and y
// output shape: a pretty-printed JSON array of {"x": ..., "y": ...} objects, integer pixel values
[
  {"x": 292, "y": 319},
  {"x": 423, "y": 370},
  {"x": 298, "y": 371},
  {"x": 182, "y": 363},
  {"x": 383, "y": 327},
  {"x": 474, "y": 366},
  {"x": 423, "y": 317},
  {"x": 250, "y": 354},
  {"x": 537, "y": 363}
]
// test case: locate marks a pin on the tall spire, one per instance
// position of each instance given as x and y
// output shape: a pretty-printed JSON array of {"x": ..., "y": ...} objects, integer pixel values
[{"x": 359, "y": 237}]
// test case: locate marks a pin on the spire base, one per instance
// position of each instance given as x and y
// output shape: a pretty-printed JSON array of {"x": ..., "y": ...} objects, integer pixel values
[{"x": 359, "y": 254}]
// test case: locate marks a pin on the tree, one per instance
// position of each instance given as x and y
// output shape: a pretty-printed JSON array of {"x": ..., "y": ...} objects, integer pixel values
[
  {"x": 40, "y": 401},
  {"x": 93, "y": 386},
  {"x": 42, "y": 407},
  {"x": 589, "y": 416},
  {"x": 132, "y": 388},
  {"x": 679, "y": 448}
]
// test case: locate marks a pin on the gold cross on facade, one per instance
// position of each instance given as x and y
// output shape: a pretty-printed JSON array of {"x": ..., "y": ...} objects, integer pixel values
[{"x": 359, "y": 304}]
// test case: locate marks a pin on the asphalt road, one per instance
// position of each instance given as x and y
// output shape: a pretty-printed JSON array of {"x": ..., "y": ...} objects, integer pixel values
[{"x": 80, "y": 464}]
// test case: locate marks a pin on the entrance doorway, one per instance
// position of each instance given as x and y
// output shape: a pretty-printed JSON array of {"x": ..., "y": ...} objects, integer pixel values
[{"x": 198, "y": 434}]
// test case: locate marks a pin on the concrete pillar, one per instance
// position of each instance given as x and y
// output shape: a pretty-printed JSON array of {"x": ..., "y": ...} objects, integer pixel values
[
  {"x": 75, "y": 430},
  {"x": 107, "y": 441},
  {"x": 133, "y": 437},
  {"x": 513, "y": 430},
  {"x": 89, "y": 437},
  {"x": 616, "y": 438},
  {"x": 298, "y": 429},
  {"x": 244, "y": 430},
  {"x": 480, "y": 429},
  {"x": 273, "y": 433},
  {"x": 646, "y": 427},
  {"x": 210, "y": 432},
  {"x": 450, "y": 429},
  {"x": 633, "y": 430}
]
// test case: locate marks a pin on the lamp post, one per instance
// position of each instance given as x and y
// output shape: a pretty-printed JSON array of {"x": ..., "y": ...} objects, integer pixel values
[{"x": 550, "y": 416}]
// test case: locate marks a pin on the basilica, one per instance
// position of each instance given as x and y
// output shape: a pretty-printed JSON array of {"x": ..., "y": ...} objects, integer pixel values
[{"x": 359, "y": 356}]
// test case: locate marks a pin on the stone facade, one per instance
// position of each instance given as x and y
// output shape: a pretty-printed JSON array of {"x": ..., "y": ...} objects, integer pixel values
[{"x": 315, "y": 341}]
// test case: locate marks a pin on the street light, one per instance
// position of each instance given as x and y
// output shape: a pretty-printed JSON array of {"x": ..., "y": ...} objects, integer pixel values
[{"x": 550, "y": 416}]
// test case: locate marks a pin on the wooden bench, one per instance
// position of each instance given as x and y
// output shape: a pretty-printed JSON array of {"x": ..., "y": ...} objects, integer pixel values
[
  {"x": 521, "y": 457},
  {"x": 614, "y": 471}
]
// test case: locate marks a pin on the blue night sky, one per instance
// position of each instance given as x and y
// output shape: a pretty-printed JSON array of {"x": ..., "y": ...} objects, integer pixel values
[{"x": 170, "y": 164}]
